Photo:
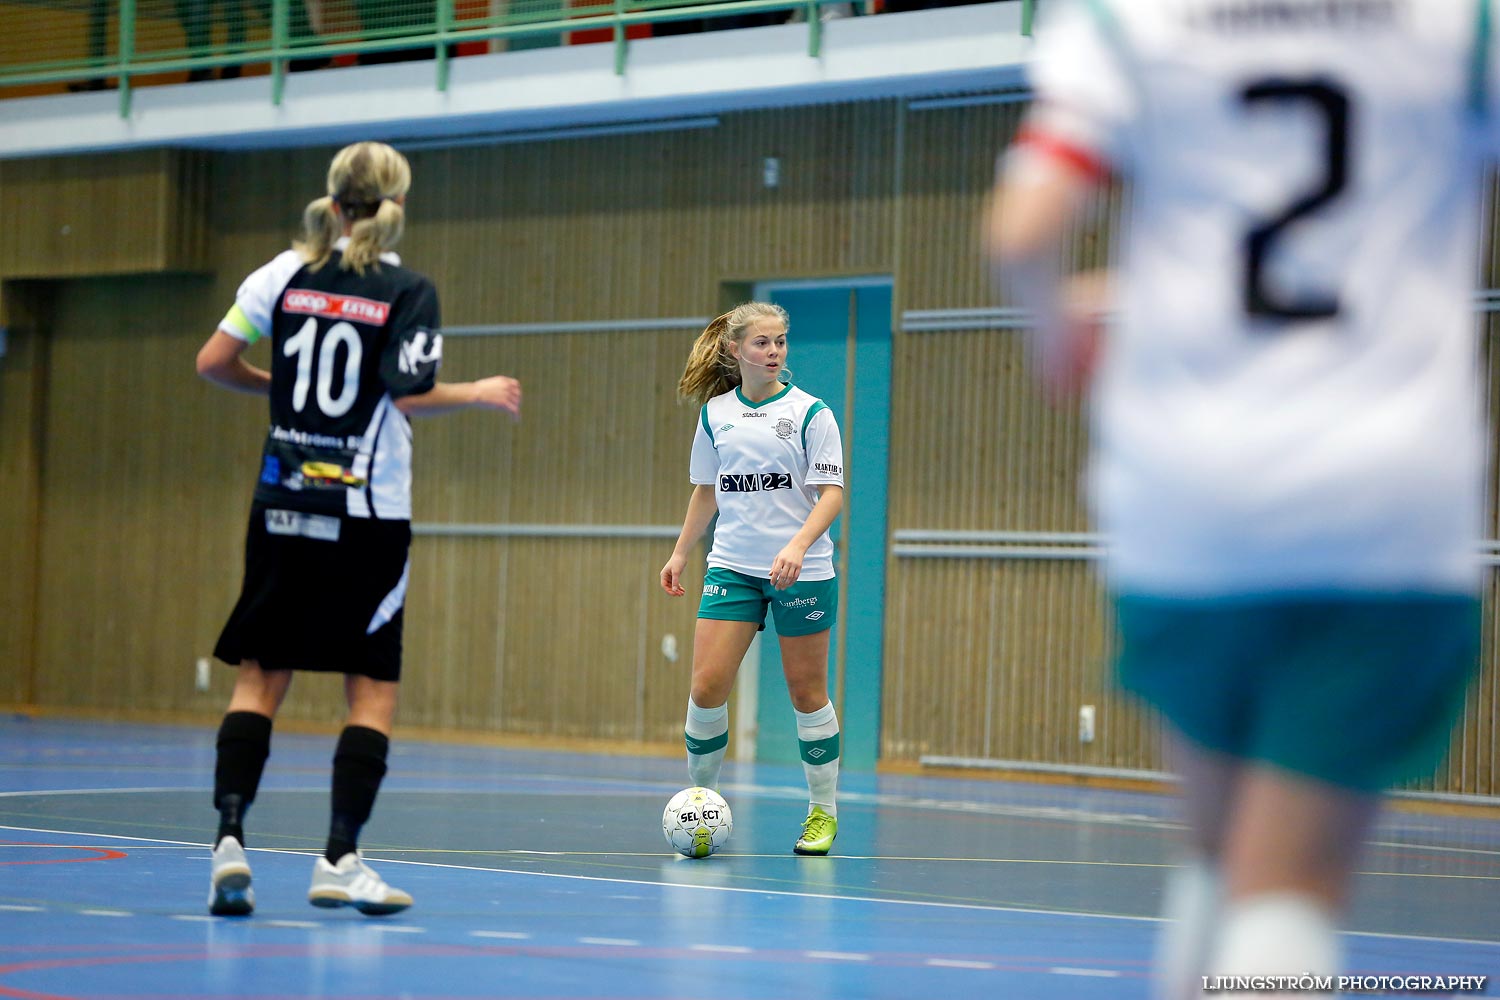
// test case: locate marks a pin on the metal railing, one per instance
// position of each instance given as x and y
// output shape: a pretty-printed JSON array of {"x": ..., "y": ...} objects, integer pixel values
[{"x": 153, "y": 37}]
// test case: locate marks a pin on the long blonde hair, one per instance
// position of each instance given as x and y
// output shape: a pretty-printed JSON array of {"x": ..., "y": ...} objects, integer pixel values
[
  {"x": 364, "y": 181},
  {"x": 711, "y": 369}
]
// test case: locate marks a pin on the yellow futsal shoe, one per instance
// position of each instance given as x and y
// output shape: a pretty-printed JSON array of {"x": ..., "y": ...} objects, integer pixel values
[{"x": 818, "y": 831}]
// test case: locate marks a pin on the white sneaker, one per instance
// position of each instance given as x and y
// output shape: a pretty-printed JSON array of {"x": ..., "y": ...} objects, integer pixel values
[
  {"x": 230, "y": 895},
  {"x": 351, "y": 882}
]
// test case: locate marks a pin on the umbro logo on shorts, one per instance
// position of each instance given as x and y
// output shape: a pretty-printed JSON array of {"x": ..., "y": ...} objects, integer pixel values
[{"x": 814, "y": 616}]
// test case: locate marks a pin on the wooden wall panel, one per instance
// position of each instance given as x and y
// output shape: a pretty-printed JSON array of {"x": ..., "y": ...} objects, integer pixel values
[
  {"x": 649, "y": 225},
  {"x": 123, "y": 213},
  {"x": 146, "y": 486},
  {"x": 1020, "y": 646},
  {"x": 23, "y": 384},
  {"x": 975, "y": 445},
  {"x": 546, "y": 637},
  {"x": 948, "y": 168}
]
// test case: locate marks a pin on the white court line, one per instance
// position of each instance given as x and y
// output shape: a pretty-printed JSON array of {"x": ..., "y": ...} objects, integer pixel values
[
  {"x": 1037, "y": 911},
  {"x": 287, "y": 923},
  {"x": 13, "y": 908},
  {"x": 725, "y": 949},
  {"x": 838, "y": 956},
  {"x": 396, "y": 929},
  {"x": 195, "y": 918},
  {"x": 502, "y": 935},
  {"x": 616, "y": 942},
  {"x": 958, "y": 963},
  {"x": 1063, "y": 970},
  {"x": 106, "y": 913},
  {"x": 1058, "y": 813}
]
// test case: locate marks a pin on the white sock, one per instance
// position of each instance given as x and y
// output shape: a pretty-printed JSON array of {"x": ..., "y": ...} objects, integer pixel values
[
  {"x": 1276, "y": 933},
  {"x": 1191, "y": 902},
  {"x": 818, "y": 739},
  {"x": 707, "y": 735}
]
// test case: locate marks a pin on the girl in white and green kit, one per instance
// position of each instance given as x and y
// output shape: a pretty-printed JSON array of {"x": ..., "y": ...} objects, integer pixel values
[{"x": 768, "y": 458}]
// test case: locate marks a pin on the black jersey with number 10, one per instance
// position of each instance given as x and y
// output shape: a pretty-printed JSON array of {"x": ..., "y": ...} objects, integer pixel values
[{"x": 344, "y": 346}]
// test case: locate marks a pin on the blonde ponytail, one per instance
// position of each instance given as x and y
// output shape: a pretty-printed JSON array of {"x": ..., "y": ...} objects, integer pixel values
[
  {"x": 373, "y": 235},
  {"x": 320, "y": 230},
  {"x": 365, "y": 184},
  {"x": 712, "y": 369}
]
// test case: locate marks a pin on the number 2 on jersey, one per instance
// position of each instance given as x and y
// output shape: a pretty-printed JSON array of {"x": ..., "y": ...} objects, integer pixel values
[
  {"x": 1329, "y": 101},
  {"x": 302, "y": 345}
]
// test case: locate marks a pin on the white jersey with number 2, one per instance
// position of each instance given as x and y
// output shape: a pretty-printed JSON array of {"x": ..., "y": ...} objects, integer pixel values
[{"x": 1290, "y": 400}]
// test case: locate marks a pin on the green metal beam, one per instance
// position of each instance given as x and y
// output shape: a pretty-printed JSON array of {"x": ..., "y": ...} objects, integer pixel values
[
  {"x": 1028, "y": 16},
  {"x": 280, "y": 30},
  {"x": 446, "y": 32},
  {"x": 126, "y": 49}
]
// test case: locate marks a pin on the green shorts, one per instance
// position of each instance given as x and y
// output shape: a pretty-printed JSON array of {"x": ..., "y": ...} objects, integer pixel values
[
  {"x": 1359, "y": 691},
  {"x": 806, "y": 607}
]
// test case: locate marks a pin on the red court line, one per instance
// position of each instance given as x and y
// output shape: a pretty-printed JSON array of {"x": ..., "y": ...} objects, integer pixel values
[
  {"x": 565, "y": 952},
  {"x": 104, "y": 853}
]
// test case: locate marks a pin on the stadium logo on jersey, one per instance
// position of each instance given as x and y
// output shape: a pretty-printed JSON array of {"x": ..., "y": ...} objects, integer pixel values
[
  {"x": 751, "y": 413},
  {"x": 331, "y": 306},
  {"x": 415, "y": 352},
  {"x": 755, "y": 482},
  {"x": 784, "y": 428}
]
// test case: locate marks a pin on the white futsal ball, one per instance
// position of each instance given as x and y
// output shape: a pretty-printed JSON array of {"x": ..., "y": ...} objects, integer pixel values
[{"x": 697, "y": 822}]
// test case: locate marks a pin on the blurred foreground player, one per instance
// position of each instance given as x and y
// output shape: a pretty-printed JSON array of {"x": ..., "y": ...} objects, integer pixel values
[{"x": 1288, "y": 450}]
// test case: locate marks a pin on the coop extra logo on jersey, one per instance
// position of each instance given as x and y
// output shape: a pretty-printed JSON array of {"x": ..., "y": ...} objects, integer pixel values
[
  {"x": 754, "y": 482},
  {"x": 331, "y": 306}
]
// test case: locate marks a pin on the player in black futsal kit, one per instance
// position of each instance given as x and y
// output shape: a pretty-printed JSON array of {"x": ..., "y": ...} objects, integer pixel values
[{"x": 355, "y": 349}]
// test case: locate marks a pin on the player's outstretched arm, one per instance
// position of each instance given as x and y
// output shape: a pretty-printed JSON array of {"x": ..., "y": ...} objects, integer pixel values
[
  {"x": 219, "y": 362},
  {"x": 700, "y": 511},
  {"x": 1034, "y": 202},
  {"x": 498, "y": 392}
]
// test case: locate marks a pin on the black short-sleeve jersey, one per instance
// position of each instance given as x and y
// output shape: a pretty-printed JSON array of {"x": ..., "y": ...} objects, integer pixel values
[{"x": 344, "y": 345}]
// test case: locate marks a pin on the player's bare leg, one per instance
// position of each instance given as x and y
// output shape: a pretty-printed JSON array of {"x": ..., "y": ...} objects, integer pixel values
[{"x": 1289, "y": 849}]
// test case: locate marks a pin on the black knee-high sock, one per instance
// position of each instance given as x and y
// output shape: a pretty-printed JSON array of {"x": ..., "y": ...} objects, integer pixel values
[
  {"x": 358, "y": 767},
  {"x": 244, "y": 745}
]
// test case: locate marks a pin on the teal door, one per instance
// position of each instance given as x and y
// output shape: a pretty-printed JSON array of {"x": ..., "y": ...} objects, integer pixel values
[{"x": 839, "y": 349}]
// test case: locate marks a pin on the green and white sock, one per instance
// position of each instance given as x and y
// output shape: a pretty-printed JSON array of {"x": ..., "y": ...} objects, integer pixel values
[
  {"x": 818, "y": 739},
  {"x": 706, "y": 734}
]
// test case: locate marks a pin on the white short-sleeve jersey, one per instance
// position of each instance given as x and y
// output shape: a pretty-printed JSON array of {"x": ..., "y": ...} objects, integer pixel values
[
  {"x": 765, "y": 461},
  {"x": 1290, "y": 399}
]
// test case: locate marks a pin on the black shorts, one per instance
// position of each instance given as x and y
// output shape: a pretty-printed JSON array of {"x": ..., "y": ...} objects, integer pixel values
[{"x": 320, "y": 593}]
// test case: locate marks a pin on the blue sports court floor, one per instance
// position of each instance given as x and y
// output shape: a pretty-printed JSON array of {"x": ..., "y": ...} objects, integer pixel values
[{"x": 540, "y": 874}]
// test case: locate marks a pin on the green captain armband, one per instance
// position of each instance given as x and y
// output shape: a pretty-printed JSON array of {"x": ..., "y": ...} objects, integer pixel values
[{"x": 236, "y": 321}]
